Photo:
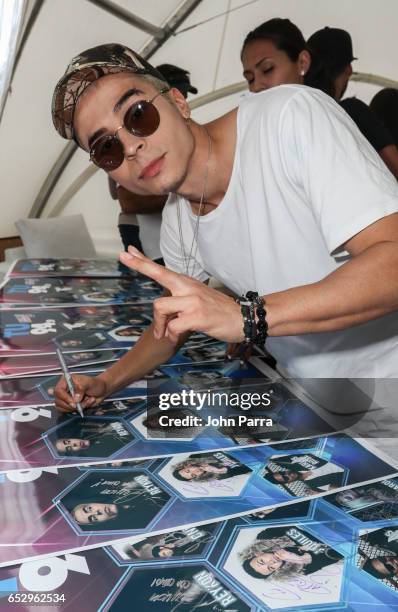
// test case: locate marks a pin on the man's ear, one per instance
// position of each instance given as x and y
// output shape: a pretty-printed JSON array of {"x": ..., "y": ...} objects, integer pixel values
[{"x": 180, "y": 102}]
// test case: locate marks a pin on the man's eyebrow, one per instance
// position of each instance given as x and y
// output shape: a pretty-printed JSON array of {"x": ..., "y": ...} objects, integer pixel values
[
  {"x": 127, "y": 94},
  {"x": 95, "y": 136}
]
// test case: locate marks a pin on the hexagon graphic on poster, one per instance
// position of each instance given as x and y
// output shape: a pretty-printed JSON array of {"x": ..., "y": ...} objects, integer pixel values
[
  {"x": 126, "y": 333},
  {"x": 190, "y": 543},
  {"x": 113, "y": 501},
  {"x": 375, "y": 501},
  {"x": 303, "y": 474},
  {"x": 206, "y": 475},
  {"x": 90, "y": 437},
  {"x": 181, "y": 587},
  {"x": 377, "y": 555},
  {"x": 285, "y": 567},
  {"x": 176, "y": 424}
]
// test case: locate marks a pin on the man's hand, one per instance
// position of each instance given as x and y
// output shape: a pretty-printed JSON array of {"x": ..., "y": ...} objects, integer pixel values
[
  {"x": 90, "y": 391},
  {"x": 192, "y": 306}
]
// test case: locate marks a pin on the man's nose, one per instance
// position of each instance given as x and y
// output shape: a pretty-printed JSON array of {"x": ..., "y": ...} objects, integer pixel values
[{"x": 131, "y": 144}]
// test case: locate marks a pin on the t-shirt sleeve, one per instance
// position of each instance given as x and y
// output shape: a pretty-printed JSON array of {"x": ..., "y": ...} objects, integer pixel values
[
  {"x": 170, "y": 242},
  {"x": 333, "y": 168},
  {"x": 368, "y": 122}
]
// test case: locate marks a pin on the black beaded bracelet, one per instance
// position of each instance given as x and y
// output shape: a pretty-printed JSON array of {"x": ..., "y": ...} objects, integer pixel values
[{"x": 253, "y": 305}]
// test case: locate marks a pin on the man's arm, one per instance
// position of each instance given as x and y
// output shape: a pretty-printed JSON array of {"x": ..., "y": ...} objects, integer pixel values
[
  {"x": 144, "y": 357},
  {"x": 360, "y": 290},
  {"x": 131, "y": 203}
]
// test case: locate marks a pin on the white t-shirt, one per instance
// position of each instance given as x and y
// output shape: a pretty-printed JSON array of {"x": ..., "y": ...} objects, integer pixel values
[
  {"x": 150, "y": 234},
  {"x": 304, "y": 181}
]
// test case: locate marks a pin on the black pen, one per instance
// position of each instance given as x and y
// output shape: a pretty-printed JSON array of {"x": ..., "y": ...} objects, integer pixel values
[{"x": 69, "y": 380}]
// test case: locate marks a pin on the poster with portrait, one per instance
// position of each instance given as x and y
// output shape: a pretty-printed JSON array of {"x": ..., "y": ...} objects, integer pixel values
[
  {"x": 304, "y": 474},
  {"x": 38, "y": 435},
  {"x": 35, "y": 330},
  {"x": 38, "y": 390},
  {"x": 374, "y": 501},
  {"x": 377, "y": 555},
  {"x": 61, "y": 509},
  {"x": 47, "y": 291},
  {"x": 25, "y": 365},
  {"x": 288, "y": 559},
  {"x": 69, "y": 267}
]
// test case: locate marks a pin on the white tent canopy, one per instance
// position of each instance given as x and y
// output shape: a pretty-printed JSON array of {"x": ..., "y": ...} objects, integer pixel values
[{"x": 207, "y": 44}]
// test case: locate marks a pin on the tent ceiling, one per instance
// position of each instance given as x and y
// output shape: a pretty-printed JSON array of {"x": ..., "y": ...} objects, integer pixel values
[{"x": 29, "y": 144}]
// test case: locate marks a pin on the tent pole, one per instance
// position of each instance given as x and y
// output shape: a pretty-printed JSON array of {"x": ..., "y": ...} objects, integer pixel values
[
  {"x": 122, "y": 13},
  {"x": 52, "y": 179}
]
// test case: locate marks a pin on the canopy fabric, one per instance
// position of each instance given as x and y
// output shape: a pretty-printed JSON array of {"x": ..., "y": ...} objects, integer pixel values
[{"x": 207, "y": 44}]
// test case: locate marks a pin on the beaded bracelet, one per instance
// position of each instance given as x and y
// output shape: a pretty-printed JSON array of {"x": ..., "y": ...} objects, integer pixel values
[{"x": 253, "y": 305}]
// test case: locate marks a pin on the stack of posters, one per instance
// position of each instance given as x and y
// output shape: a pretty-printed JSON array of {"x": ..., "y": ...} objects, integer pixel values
[{"x": 260, "y": 503}]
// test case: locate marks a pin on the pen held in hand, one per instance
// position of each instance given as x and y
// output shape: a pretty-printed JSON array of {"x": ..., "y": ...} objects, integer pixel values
[{"x": 68, "y": 379}]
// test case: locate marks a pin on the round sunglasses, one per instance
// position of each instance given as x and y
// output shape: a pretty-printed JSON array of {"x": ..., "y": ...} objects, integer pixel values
[{"x": 141, "y": 119}]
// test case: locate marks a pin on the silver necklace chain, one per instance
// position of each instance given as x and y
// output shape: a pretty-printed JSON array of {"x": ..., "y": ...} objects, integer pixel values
[{"x": 191, "y": 257}]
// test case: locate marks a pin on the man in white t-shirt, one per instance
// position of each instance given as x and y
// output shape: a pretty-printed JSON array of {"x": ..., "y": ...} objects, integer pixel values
[{"x": 294, "y": 202}]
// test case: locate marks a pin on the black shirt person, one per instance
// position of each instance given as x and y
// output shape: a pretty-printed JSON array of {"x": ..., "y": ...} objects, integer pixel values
[{"x": 334, "y": 48}]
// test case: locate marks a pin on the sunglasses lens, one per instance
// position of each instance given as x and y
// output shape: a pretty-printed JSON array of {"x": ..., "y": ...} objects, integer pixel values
[
  {"x": 142, "y": 119},
  {"x": 107, "y": 153}
]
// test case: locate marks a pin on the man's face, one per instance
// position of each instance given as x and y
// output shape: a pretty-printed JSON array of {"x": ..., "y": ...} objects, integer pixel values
[
  {"x": 352, "y": 499},
  {"x": 156, "y": 164},
  {"x": 129, "y": 331},
  {"x": 192, "y": 472},
  {"x": 97, "y": 512},
  {"x": 287, "y": 476},
  {"x": 71, "y": 445},
  {"x": 265, "y": 564},
  {"x": 386, "y": 566},
  {"x": 165, "y": 552}
]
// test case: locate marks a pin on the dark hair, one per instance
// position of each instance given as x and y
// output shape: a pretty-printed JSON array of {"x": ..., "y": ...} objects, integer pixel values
[
  {"x": 251, "y": 571},
  {"x": 195, "y": 461},
  {"x": 93, "y": 429},
  {"x": 385, "y": 105},
  {"x": 287, "y": 37},
  {"x": 271, "y": 477},
  {"x": 156, "y": 551}
]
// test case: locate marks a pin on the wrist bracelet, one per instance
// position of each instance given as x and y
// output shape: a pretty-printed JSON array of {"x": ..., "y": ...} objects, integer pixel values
[
  {"x": 253, "y": 305},
  {"x": 247, "y": 320}
]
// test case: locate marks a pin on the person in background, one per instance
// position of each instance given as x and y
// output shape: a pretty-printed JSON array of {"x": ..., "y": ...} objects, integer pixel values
[
  {"x": 276, "y": 53},
  {"x": 385, "y": 105},
  {"x": 141, "y": 216},
  {"x": 333, "y": 47}
]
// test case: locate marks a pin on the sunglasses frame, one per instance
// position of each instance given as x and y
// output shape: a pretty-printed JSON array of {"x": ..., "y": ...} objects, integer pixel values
[{"x": 114, "y": 136}]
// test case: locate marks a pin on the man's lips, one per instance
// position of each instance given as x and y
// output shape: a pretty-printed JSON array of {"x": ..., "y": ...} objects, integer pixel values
[{"x": 153, "y": 168}]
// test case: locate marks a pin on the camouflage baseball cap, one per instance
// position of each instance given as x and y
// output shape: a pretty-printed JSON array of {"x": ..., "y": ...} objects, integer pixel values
[{"x": 86, "y": 68}]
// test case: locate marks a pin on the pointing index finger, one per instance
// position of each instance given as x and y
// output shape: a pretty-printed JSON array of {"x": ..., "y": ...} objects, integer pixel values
[{"x": 137, "y": 261}]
